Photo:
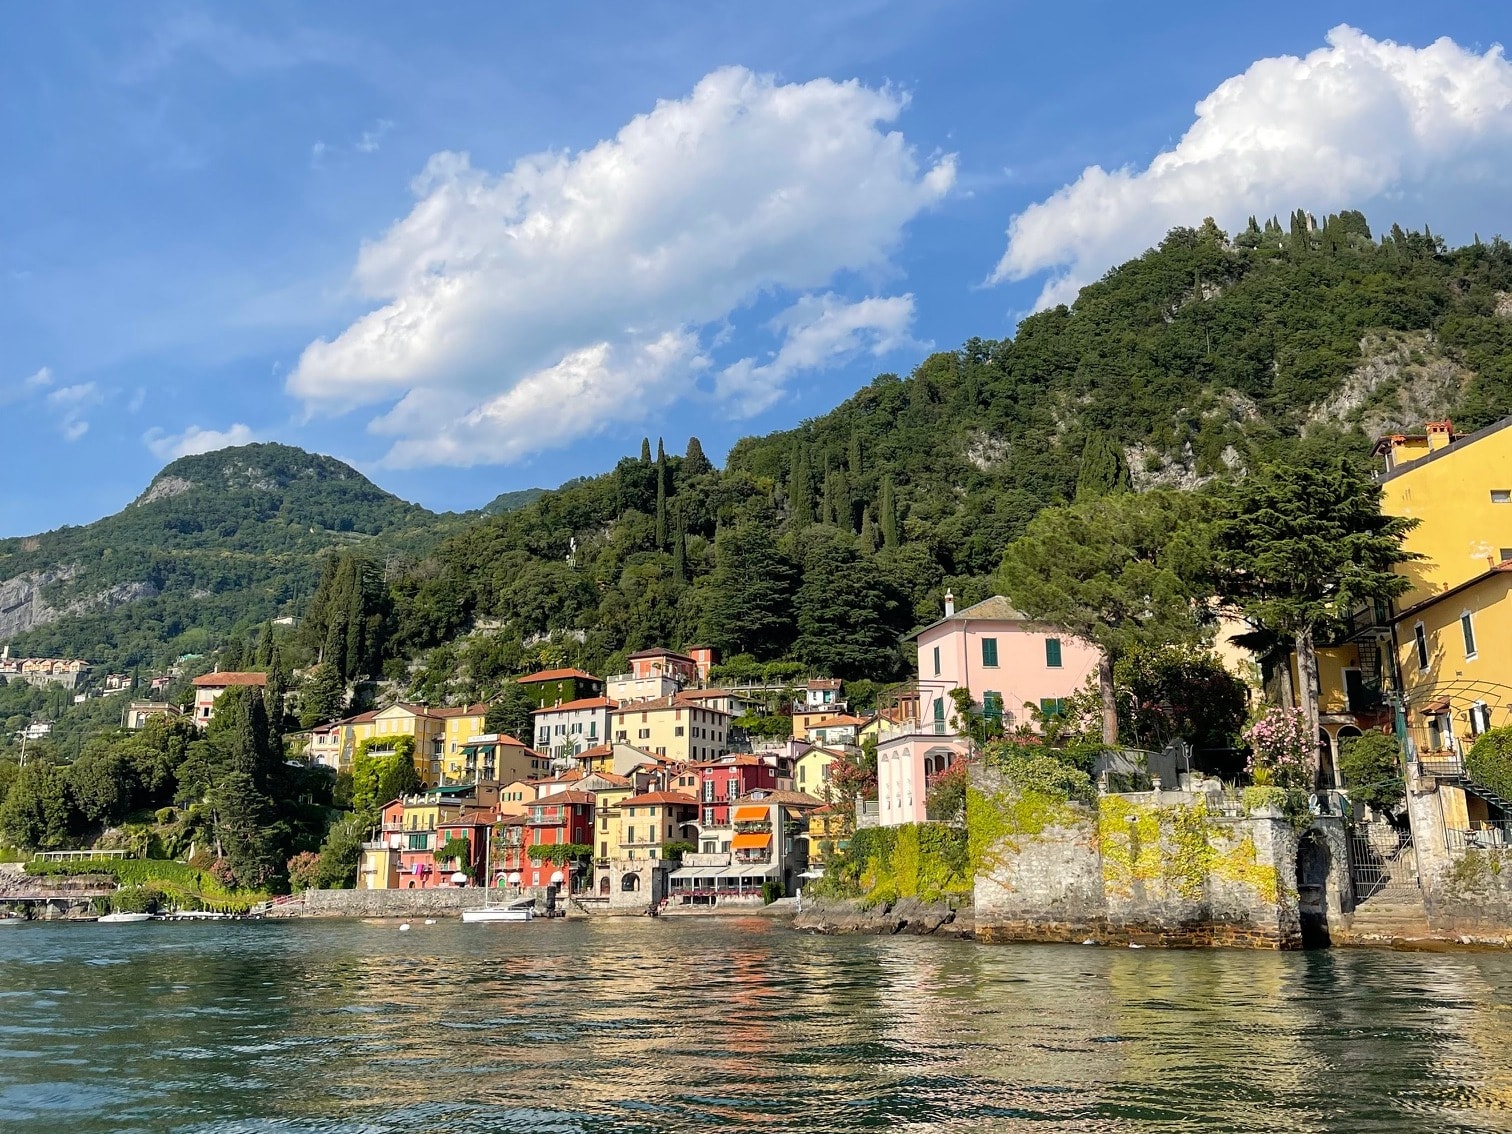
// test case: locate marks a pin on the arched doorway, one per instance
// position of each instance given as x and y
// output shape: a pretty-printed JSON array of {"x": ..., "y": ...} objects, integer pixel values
[
  {"x": 604, "y": 886},
  {"x": 1313, "y": 862},
  {"x": 630, "y": 883},
  {"x": 1328, "y": 772}
]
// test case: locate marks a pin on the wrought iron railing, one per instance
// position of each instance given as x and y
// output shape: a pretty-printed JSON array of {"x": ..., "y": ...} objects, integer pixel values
[{"x": 1483, "y": 835}]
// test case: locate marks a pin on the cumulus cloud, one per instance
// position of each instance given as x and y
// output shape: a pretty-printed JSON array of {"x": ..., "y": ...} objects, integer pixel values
[
  {"x": 818, "y": 331},
  {"x": 40, "y": 379},
  {"x": 169, "y": 446},
  {"x": 503, "y": 299},
  {"x": 1358, "y": 120},
  {"x": 70, "y": 403}
]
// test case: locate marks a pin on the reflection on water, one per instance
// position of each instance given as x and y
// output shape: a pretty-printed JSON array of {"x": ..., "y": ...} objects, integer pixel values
[{"x": 638, "y": 1025}]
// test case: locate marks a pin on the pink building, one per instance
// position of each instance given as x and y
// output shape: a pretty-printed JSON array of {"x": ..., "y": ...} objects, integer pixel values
[{"x": 1006, "y": 662}]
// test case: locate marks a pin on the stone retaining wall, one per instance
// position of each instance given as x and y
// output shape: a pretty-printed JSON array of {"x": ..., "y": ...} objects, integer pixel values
[
  {"x": 908, "y": 915},
  {"x": 1154, "y": 868},
  {"x": 388, "y": 903}
]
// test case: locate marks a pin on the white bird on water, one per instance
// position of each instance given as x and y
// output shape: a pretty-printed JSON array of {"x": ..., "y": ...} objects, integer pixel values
[
  {"x": 430, "y": 921},
  {"x": 404, "y": 928}
]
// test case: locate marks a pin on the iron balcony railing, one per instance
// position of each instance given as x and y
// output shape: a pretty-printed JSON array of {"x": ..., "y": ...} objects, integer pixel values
[{"x": 1483, "y": 835}]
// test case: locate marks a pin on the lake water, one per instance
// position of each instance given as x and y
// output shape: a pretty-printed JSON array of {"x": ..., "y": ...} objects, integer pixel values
[{"x": 722, "y": 1024}]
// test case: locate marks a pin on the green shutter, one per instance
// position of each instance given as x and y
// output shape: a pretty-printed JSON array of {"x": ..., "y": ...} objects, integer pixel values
[
  {"x": 1053, "y": 652},
  {"x": 992, "y": 705},
  {"x": 1052, "y": 706},
  {"x": 989, "y": 651}
]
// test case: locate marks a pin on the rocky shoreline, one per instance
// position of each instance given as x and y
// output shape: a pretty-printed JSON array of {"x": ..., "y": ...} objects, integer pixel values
[{"x": 908, "y": 916}]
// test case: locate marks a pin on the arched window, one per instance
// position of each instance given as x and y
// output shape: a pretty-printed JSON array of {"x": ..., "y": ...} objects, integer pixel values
[{"x": 630, "y": 883}]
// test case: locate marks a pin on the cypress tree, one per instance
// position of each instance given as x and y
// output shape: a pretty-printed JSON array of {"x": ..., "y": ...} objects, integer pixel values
[
  {"x": 645, "y": 450},
  {"x": 680, "y": 556},
  {"x": 853, "y": 459},
  {"x": 661, "y": 497},
  {"x": 1103, "y": 469},
  {"x": 800, "y": 494},
  {"x": 694, "y": 462},
  {"x": 889, "y": 510},
  {"x": 868, "y": 532}
]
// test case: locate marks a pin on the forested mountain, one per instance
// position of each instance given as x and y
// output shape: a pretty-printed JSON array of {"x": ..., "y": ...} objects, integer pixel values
[
  {"x": 823, "y": 544},
  {"x": 216, "y": 541}
]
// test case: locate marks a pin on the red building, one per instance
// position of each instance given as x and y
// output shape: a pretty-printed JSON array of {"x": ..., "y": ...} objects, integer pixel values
[
  {"x": 730, "y": 778},
  {"x": 565, "y": 817}
]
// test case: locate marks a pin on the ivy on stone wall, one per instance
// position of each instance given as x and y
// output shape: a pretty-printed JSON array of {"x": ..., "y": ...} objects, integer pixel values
[{"x": 1176, "y": 846}]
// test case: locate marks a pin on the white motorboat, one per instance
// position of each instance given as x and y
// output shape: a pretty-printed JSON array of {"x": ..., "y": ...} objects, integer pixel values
[
  {"x": 10, "y": 919},
  {"x": 522, "y": 911},
  {"x": 124, "y": 918}
]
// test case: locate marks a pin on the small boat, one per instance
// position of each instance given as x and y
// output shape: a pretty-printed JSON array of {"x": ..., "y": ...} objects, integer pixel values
[
  {"x": 520, "y": 911},
  {"x": 124, "y": 918},
  {"x": 10, "y": 919}
]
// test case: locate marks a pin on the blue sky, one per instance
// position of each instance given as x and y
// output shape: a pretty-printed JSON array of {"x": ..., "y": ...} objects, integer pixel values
[{"x": 478, "y": 246}]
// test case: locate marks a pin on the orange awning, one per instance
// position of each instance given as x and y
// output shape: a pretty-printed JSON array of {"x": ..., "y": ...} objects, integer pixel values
[
  {"x": 1436, "y": 706},
  {"x": 757, "y": 840},
  {"x": 751, "y": 815}
]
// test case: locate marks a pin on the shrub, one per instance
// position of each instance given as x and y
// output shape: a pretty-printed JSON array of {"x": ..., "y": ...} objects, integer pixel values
[
  {"x": 1281, "y": 749},
  {"x": 304, "y": 870},
  {"x": 1489, "y": 760},
  {"x": 1372, "y": 769},
  {"x": 771, "y": 890},
  {"x": 136, "y": 899}
]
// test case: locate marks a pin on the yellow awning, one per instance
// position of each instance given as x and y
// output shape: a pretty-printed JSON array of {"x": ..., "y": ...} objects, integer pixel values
[
  {"x": 751, "y": 815},
  {"x": 756, "y": 840}
]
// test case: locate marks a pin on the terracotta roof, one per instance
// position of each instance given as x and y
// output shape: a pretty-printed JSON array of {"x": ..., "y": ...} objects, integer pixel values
[
  {"x": 228, "y": 679},
  {"x": 659, "y": 652},
  {"x": 675, "y": 798},
  {"x": 480, "y": 709},
  {"x": 841, "y": 719},
  {"x": 824, "y": 683},
  {"x": 566, "y": 797},
  {"x": 705, "y": 694},
  {"x": 493, "y": 738},
  {"x": 580, "y": 703},
  {"x": 660, "y": 704},
  {"x": 609, "y": 778},
  {"x": 734, "y": 760},
  {"x": 595, "y": 751},
  {"x": 554, "y": 675}
]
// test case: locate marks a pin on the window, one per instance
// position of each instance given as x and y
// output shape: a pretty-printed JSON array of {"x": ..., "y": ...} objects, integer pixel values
[
  {"x": 992, "y": 705},
  {"x": 604, "y": 848},
  {"x": 630, "y": 834},
  {"x": 937, "y": 661},
  {"x": 1420, "y": 636},
  {"x": 1480, "y": 718},
  {"x": 989, "y": 652},
  {"x": 939, "y": 715},
  {"x": 709, "y": 822},
  {"x": 1052, "y": 706},
  {"x": 802, "y": 774},
  {"x": 1505, "y": 554},
  {"x": 1053, "y": 653},
  {"x": 643, "y": 734},
  {"x": 678, "y": 731},
  {"x": 1435, "y": 734},
  {"x": 1467, "y": 628},
  {"x": 1501, "y": 496}
]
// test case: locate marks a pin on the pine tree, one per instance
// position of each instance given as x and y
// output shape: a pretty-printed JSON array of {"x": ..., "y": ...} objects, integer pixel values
[
  {"x": 321, "y": 698},
  {"x": 889, "y": 513},
  {"x": 694, "y": 462}
]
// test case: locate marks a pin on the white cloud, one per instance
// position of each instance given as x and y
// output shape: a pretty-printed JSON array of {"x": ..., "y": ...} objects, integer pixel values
[
  {"x": 168, "y": 446},
  {"x": 70, "y": 404},
  {"x": 369, "y": 142},
  {"x": 819, "y": 331},
  {"x": 1360, "y": 120},
  {"x": 40, "y": 379},
  {"x": 508, "y": 296}
]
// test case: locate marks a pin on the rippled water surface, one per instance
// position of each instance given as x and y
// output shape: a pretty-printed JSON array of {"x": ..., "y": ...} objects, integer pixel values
[{"x": 636, "y": 1025}]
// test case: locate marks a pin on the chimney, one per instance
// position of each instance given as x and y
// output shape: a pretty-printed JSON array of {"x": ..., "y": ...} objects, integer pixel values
[
  {"x": 1440, "y": 435},
  {"x": 949, "y": 605}
]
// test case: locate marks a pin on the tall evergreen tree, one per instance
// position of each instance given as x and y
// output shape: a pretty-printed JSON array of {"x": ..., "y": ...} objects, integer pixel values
[
  {"x": 846, "y": 613},
  {"x": 680, "y": 556},
  {"x": 1299, "y": 547},
  {"x": 868, "y": 533},
  {"x": 749, "y": 593},
  {"x": 1103, "y": 469},
  {"x": 645, "y": 457},
  {"x": 661, "y": 497},
  {"x": 853, "y": 456},
  {"x": 800, "y": 490},
  {"x": 694, "y": 462},
  {"x": 888, "y": 509},
  {"x": 1113, "y": 572}
]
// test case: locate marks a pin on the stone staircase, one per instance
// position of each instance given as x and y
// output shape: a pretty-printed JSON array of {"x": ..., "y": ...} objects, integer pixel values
[{"x": 1384, "y": 920}]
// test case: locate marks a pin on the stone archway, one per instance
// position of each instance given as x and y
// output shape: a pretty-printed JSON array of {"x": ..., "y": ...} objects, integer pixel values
[
  {"x": 630, "y": 883},
  {"x": 603, "y": 886},
  {"x": 1314, "y": 861},
  {"x": 1327, "y": 767}
]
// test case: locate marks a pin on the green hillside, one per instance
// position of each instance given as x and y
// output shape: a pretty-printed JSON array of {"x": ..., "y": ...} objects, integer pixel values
[
  {"x": 216, "y": 540},
  {"x": 823, "y": 544},
  {"x": 826, "y": 542}
]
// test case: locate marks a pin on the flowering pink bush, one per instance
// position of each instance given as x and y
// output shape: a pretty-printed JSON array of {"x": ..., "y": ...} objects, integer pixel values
[
  {"x": 221, "y": 871},
  {"x": 1281, "y": 749}
]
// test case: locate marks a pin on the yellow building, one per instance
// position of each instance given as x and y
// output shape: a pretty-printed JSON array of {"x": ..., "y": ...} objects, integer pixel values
[
  {"x": 494, "y": 758},
  {"x": 827, "y": 828},
  {"x": 811, "y": 773},
  {"x": 1453, "y": 630},
  {"x": 439, "y": 735},
  {"x": 679, "y": 730}
]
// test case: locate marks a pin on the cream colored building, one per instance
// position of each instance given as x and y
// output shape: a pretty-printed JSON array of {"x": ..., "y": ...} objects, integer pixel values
[{"x": 672, "y": 727}]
